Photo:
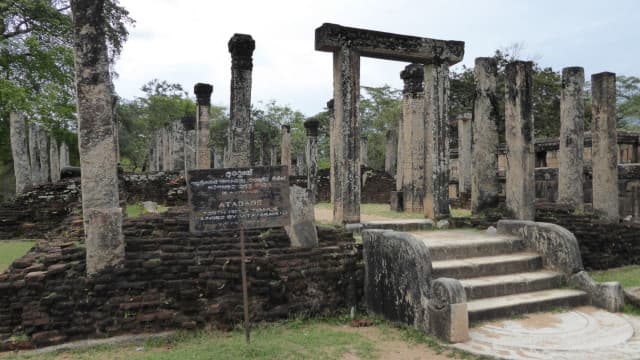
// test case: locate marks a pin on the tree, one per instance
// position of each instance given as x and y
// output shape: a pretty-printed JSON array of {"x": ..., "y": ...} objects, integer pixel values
[
  {"x": 628, "y": 109},
  {"x": 380, "y": 111}
]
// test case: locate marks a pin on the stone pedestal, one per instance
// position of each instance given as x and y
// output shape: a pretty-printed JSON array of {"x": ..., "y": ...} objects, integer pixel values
[
  {"x": 285, "y": 147},
  {"x": 570, "y": 155},
  {"x": 604, "y": 151},
  {"x": 412, "y": 144},
  {"x": 311, "y": 154},
  {"x": 302, "y": 230},
  {"x": 520, "y": 188},
  {"x": 203, "y": 101},
  {"x": 390, "y": 152},
  {"x": 345, "y": 134},
  {"x": 96, "y": 134},
  {"x": 241, "y": 48},
  {"x": 20, "y": 152},
  {"x": 464, "y": 156},
  {"x": 436, "y": 113},
  {"x": 484, "y": 157}
]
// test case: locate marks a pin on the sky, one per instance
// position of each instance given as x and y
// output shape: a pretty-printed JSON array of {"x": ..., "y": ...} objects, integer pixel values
[{"x": 185, "y": 41}]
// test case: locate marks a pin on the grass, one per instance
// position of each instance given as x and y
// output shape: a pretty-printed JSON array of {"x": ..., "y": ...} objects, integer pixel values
[
  {"x": 135, "y": 210},
  {"x": 627, "y": 275},
  {"x": 298, "y": 339},
  {"x": 11, "y": 250}
]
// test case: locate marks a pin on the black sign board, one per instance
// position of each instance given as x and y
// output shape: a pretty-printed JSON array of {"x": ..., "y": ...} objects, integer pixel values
[{"x": 255, "y": 197}]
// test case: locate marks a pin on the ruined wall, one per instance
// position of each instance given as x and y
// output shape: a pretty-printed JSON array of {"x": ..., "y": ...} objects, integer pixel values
[
  {"x": 603, "y": 245},
  {"x": 172, "y": 279}
]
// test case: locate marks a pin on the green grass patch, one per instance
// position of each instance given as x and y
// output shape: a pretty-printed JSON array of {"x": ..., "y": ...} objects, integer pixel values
[
  {"x": 460, "y": 213},
  {"x": 298, "y": 339},
  {"x": 135, "y": 210},
  {"x": 11, "y": 250},
  {"x": 627, "y": 275}
]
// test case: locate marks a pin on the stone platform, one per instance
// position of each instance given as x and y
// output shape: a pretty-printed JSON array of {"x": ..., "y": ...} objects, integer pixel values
[{"x": 580, "y": 333}]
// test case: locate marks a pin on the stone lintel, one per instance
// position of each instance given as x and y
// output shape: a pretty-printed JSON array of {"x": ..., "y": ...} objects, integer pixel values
[
  {"x": 312, "y": 125},
  {"x": 203, "y": 93},
  {"x": 413, "y": 76},
  {"x": 241, "y": 47},
  {"x": 388, "y": 46}
]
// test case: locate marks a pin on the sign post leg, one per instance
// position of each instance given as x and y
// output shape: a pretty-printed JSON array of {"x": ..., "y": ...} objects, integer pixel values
[{"x": 245, "y": 291}]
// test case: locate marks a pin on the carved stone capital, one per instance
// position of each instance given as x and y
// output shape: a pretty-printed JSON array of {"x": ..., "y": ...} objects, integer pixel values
[
  {"x": 241, "y": 47},
  {"x": 413, "y": 76},
  {"x": 203, "y": 93}
]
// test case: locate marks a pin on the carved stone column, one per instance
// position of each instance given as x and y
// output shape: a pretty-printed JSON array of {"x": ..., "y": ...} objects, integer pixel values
[
  {"x": 20, "y": 152},
  {"x": 241, "y": 48},
  {"x": 312, "y": 157},
  {"x": 203, "y": 101}
]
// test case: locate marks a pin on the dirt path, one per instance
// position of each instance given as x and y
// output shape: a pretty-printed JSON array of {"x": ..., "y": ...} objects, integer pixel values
[{"x": 390, "y": 345}]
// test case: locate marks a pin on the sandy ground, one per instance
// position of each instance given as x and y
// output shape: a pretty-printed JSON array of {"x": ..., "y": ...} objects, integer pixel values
[
  {"x": 326, "y": 215},
  {"x": 389, "y": 345}
]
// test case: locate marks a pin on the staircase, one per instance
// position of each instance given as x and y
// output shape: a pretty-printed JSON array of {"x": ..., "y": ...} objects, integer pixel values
[{"x": 500, "y": 277}]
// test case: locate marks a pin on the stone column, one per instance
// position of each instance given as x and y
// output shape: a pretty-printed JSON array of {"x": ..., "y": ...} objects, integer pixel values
[
  {"x": 218, "y": 163},
  {"x": 265, "y": 155},
  {"x": 464, "y": 155},
  {"x": 54, "y": 159},
  {"x": 100, "y": 204},
  {"x": 241, "y": 48},
  {"x": 604, "y": 150},
  {"x": 436, "y": 115},
  {"x": 166, "y": 150},
  {"x": 189, "y": 142},
  {"x": 484, "y": 139},
  {"x": 345, "y": 132},
  {"x": 364, "y": 150},
  {"x": 178, "y": 149},
  {"x": 274, "y": 155},
  {"x": 203, "y": 101},
  {"x": 311, "y": 154},
  {"x": 299, "y": 164},
  {"x": 38, "y": 154},
  {"x": 64, "y": 156},
  {"x": 519, "y": 130},
  {"x": 285, "y": 147},
  {"x": 20, "y": 152},
  {"x": 390, "y": 152},
  {"x": 570, "y": 155},
  {"x": 411, "y": 148}
]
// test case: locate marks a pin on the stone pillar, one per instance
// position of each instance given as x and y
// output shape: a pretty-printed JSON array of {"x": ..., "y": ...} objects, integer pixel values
[
  {"x": 285, "y": 147},
  {"x": 20, "y": 152},
  {"x": 189, "y": 142},
  {"x": 604, "y": 150},
  {"x": 54, "y": 159},
  {"x": 100, "y": 204},
  {"x": 166, "y": 150},
  {"x": 345, "y": 132},
  {"x": 274, "y": 155},
  {"x": 218, "y": 163},
  {"x": 265, "y": 151},
  {"x": 364, "y": 150},
  {"x": 464, "y": 155},
  {"x": 241, "y": 48},
  {"x": 390, "y": 152},
  {"x": 311, "y": 154},
  {"x": 299, "y": 164},
  {"x": 400, "y": 162},
  {"x": 484, "y": 139},
  {"x": 411, "y": 148},
  {"x": 436, "y": 109},
  {"x": 64, "y": 155},
  {"x": 38, "y": 154},
  {"x": 203, "y": 101},
  {"x": 570, "y": 155},
  {"x": 177, "y": 150},
  {"x": 519, "y": 130}
]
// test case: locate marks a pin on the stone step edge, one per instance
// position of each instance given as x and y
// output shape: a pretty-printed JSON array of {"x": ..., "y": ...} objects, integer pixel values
[
  {"x": 493, "y": 303},
  {"x": 477, "y": 288}
]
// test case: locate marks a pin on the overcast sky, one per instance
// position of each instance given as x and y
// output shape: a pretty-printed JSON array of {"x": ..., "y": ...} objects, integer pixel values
[{"x": 185, "y": 41}]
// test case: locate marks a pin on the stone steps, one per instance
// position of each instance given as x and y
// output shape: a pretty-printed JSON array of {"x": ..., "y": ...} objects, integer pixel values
[
  {"x": 502, "y": 285},
  {"x": 487, "y": 265},
  {"x": 448, "y": 250},
  {"x": 510, "y": 305}
]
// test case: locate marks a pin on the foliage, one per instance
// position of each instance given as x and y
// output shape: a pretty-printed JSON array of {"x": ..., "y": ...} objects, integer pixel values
[
  {"x": 37, "y": 67},
  {"x": 380, "y": 111},
  {"x": 267, "y": 121},
  {"x": 163, "y": 104},
  {"x": 628, "y": 101}
]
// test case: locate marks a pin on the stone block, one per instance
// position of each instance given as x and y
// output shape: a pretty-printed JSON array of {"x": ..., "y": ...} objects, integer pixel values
[{"x": 302, "y": 230}]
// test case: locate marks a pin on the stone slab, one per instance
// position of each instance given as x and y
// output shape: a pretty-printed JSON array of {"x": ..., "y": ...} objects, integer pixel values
[{"x": 581, "y": 333}]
